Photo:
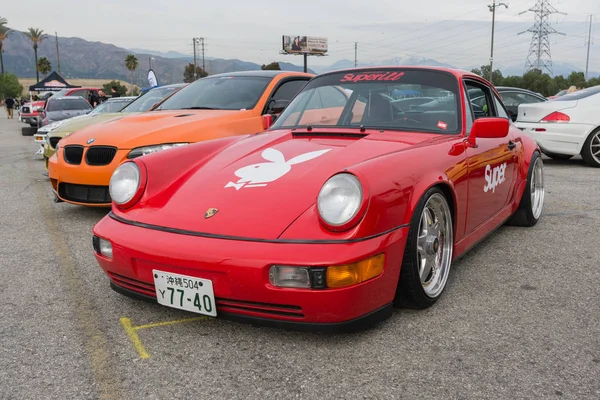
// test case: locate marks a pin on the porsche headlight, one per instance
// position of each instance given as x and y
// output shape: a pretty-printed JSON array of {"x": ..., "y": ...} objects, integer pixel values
[
  {"x": 142, "y": 151},
  {"x": 340, "y": 199},
  {"x": 124, "y": 182}
]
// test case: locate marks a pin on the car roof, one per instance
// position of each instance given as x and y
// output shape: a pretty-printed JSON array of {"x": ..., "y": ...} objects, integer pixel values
[
  {"x": 264, "y": 73},
  {"x": 459, "y": 73},
  {"x": 116, "y": 99},
  {"x": 69, "y": 98},
  {"x": 171, "y": 85}
]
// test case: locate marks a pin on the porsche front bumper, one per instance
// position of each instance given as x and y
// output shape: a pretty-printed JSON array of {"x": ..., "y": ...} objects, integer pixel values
[{"x": 239, "y": 271}]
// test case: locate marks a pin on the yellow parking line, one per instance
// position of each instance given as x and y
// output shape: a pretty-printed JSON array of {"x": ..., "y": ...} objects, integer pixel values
[
  {"x": 95, "y": 341},
  {"x": 135, "y": 338},
  {"x": 177, "y": 321}
]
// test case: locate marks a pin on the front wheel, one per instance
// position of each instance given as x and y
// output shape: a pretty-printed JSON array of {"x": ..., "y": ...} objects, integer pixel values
[
  {"x": 532, "y": 202},
  {"x": 428, "y": 252},
  {"x": 591, "y": 149}
]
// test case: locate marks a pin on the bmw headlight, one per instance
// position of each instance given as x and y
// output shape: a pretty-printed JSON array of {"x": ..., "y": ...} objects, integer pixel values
[
  {"x": 340, "y": 200},
  {"x": 142, "y": 151},
  {"x": 124, "y": 183}
]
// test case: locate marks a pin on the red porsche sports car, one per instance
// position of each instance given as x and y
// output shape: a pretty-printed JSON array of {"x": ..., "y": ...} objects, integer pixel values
[{"x": 353, "y": 202}]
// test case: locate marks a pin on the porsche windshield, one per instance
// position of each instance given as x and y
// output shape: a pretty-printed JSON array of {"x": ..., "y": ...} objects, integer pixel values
[
  {"x": 219, "y": 93},
  {"x": 391, "y": 99}
]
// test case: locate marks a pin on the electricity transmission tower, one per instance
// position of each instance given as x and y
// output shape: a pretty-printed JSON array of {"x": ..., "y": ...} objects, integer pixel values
[{"x": 539, "y": 51}]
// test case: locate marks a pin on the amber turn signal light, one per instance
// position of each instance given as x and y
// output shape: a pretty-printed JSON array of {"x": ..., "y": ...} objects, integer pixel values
[{"x": 351, "y": 274}]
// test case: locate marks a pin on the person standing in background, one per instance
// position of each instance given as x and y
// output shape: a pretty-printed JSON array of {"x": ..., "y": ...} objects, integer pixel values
[
  {"x": 10, "y": 107},
  {"x": 114, "y": 92},
  {"x": 94, "y": 99}
]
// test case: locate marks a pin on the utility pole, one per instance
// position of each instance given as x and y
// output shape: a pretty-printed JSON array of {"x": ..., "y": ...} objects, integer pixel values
[
  {"x": 57, "y": 53},
  {"x": 589, "y": 43},
  {"x": 492, "y": 8},
  {"x": 355, "y": 54},
  {"x": 203, "y": 64},
  {"x": 194, "y": 41}
]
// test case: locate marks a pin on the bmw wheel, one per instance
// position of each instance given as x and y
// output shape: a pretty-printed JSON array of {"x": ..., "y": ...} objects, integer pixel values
[
  {"x": 591, "y": 149},
  {"x": 428, "y": 252}
]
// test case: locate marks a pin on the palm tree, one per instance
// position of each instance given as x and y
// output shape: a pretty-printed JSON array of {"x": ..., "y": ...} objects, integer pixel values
[
  {"x": 4, "y": 33},
  {"x": 44, "y": 66},
  {"x": 131, "y": 62},
  {"x": 36, "y": 36}
]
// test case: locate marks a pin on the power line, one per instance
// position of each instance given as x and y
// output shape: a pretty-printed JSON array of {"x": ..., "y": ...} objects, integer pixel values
[{"x": 539, "y": 50}]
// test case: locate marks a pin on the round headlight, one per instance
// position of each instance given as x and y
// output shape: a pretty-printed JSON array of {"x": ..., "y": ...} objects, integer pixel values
[
  {"x": 124, "y": 183},
  {"x": 340, "y": 199}
]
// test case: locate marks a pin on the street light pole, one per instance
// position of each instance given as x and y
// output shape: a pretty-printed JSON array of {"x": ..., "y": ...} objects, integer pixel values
[{"x": 492, "y": 8}]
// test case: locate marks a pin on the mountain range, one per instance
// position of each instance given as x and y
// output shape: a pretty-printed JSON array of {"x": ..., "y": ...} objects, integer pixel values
[{"x": 80, "y": 58}]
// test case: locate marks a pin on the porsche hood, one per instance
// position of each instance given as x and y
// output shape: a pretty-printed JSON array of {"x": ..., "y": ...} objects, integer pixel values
[{"x": 258, "y": 186}]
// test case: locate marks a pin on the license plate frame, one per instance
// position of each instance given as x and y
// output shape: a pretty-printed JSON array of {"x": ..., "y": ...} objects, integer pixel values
[{"x": 185, "y": 292}]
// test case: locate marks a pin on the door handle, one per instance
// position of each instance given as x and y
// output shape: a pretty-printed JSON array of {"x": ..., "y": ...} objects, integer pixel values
[{"x": 511, "y": 145}]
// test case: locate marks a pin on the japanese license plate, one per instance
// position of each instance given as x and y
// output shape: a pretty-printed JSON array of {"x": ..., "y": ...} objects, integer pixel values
[{"x": 185, "y": 293}]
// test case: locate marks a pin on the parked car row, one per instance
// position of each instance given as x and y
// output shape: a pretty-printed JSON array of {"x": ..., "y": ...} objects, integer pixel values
[{"x": 281, "y": 198}]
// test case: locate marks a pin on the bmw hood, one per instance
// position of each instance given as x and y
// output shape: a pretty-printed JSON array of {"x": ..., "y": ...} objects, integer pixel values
[
  {"x": 259, "y": 185},
  {"x": 153, "y": 127}
]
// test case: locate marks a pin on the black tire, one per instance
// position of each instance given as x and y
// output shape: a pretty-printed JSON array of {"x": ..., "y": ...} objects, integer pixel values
[
  {"x": 558, "y": 157},
  {"x": 410, "y": 292},
  {"x": 524, "y": 215},
  {"x": 586, "y": 152},
  {"x": 28, "y": 131}
]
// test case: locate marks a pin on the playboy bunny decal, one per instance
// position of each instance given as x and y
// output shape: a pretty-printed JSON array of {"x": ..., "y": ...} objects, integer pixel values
[{"x": 258, "y": 175}]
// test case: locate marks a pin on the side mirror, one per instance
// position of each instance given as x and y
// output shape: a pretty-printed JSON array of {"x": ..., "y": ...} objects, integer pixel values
[
  {"x": 489, "y": 128},
  {"x": 277, "y": 106}
]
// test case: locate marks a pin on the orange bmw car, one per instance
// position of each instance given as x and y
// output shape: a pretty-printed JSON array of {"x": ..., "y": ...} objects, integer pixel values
[{"x": 221, "y": 105}]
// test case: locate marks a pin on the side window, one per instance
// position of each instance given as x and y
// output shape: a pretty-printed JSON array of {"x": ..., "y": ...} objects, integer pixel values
[
  {"x": 480, "y": 99},
  {"x": 511, "y": 99},
  {"x": 288, "y": 90},
  {"x": 527, "y": 98},
  {"x": 500, "y": 109},
  {"x": 469, "y": 121}
]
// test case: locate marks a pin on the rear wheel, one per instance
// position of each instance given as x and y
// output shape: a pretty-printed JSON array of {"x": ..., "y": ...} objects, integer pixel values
[
  {"x": 591, "y": 149},
  {"x": 428, "y": 252},
  {"x": 532, "y": 202}
]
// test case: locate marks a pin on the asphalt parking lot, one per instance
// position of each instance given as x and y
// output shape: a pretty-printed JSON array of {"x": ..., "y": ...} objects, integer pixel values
[{"x": 520, "y": 318}]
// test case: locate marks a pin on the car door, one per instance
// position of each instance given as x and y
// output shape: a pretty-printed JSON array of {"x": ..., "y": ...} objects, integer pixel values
[{"x": 491, "y": 163}]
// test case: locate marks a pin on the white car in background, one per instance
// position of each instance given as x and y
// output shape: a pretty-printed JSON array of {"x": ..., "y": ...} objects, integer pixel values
[{"x": 565, "y": 126}]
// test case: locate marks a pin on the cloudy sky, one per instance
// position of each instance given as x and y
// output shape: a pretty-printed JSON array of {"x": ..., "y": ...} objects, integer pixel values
[{"x": 456, "y": 32}]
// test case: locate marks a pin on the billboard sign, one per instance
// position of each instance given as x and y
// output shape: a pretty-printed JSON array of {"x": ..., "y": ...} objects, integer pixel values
[{"x": 304, "y": 45}]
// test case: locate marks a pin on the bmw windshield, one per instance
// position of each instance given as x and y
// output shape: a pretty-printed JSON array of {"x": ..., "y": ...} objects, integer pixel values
[
  {"x": 149, "y": 99},
  {"x": 112, "y": 106},
  {"x": 389, "y": 99},
  {"x": 219, "y": 93}
]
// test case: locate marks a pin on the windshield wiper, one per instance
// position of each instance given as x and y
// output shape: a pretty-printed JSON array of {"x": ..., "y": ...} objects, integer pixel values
[{"x": 199, "y": 108}]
